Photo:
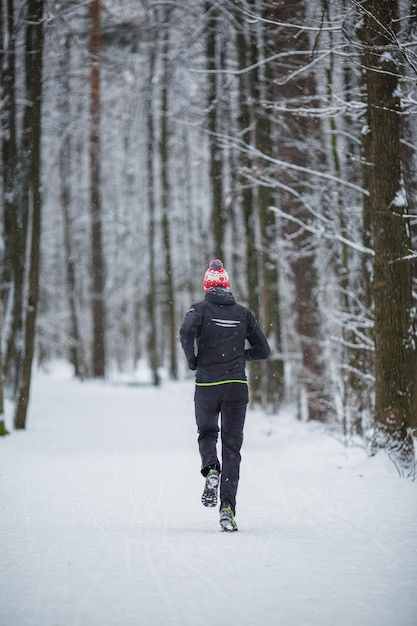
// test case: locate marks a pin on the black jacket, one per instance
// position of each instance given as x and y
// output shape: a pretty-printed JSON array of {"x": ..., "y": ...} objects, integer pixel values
[{"x": 213, "y": 336}]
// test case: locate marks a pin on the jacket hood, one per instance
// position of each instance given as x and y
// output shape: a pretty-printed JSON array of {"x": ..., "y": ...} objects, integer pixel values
[{"x": 220, "y": 295}]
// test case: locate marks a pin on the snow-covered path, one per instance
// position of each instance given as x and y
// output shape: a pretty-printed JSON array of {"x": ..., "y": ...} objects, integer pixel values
[{"x": 101, "y": 522}]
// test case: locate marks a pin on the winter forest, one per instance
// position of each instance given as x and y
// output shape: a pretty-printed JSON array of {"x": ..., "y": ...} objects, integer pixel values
[{"x": 142, "y": 138}]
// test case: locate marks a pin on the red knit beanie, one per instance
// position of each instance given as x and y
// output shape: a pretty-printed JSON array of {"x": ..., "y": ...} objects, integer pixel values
[{"x": 216, "y": 276}]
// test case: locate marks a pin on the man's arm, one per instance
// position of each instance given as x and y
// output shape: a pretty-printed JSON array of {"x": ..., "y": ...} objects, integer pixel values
[
  {"x": 259, "y": 345},
  {"x": 189, "y": 332}
]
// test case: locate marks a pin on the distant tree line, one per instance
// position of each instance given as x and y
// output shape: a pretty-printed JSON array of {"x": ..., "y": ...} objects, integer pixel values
[{"x": 140, "y": 139}]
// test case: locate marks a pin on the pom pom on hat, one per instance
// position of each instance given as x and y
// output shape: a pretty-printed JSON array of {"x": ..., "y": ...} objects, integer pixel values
[
  {"x": 217, "y": 265},
  {"x": 216, "y": 276}
]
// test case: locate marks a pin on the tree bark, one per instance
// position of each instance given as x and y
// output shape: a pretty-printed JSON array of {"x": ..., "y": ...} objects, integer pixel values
[
  {"x": 2, "y": 423},
  {"x": 245, "y": 161},
  {"x": 353, "y": 274},
  {"x": 32, "y": 163},
  {"x": 311, "y": 379},
  {"x": 97, "y": 257},
  {"x": 151, "y": 299},
  {"x": 76, "y": 353},
  {"x": 395, "y": 339},
  {"x": 272, "y": 370},
  {"x": 170, "y": 300},
  {"x": 14, "y": 233},
  {"x": 218, "y": 218}
]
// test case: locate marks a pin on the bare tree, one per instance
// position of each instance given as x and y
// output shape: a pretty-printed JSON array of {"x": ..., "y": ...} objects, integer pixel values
[
  {"x": 170, "y": 298},
  {"x": 341, "y": 85},
  {"x": 256, "y": 132},
  {"x": 31, "y": 185},
  {"x": 214, "y": 55},
  {"x": 151, "y": 297},
  {"x": 272, "y": 370},
  {"x": 395, "y": 338},
  {"x": 14, "y": 233},
  {"x": 297, "y": 91},
  {"x": 76, "y": 353},
  {"x": 2, "y": 423},
  {"x": 97, "y": 257},
  {"x": 246, "y": 191}
]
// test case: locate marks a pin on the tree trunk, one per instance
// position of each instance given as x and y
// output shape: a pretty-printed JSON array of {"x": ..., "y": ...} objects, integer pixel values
[
  {"x": 272, "y": 370},
  {"x": 395, "y": 340},
  {"x": 151, "y": 300},
  {"x": 3, "y": 98},
  {"x": 257, "y": 199},
  {"x": 14, "y": 233},
  {"x": 245, "y": 164},
  {"x": 75, "y": 348},
  {"x": 246, "y": 44},
  {"x": 170, "y": 300},
  {"x": 353, "y": 275},
  {"x": 218, "y": 219},
  {"x": 2, "y": 423},
  {"x": 32, "y": 160},
  {"x": 408, "y": 162},
  {"x": 97, "y": 258},
  {"x": 311, "y": 381}
]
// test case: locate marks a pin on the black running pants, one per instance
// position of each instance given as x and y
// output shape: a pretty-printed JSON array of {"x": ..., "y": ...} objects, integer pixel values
[{"x": 229, "y": 402}]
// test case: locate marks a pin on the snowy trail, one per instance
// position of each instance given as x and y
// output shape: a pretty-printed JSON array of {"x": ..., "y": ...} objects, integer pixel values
[{"x": 101, "y": 522}]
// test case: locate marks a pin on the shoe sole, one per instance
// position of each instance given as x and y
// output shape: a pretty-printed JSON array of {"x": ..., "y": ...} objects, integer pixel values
[
  {"x": 227, "y": 527},
  {"x": 209, "y": 497}
]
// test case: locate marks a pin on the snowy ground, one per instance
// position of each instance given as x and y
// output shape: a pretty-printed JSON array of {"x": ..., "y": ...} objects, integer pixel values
[{"x": 101, "y": 522}]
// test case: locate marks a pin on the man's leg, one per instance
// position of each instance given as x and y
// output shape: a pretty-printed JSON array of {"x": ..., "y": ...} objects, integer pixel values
[
  {"x": 207, "y": 408},
  {"x": 233, "y": 412}
]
